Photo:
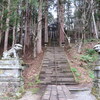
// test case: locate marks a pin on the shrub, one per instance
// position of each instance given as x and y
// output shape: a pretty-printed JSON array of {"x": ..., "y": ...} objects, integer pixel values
[
  {"x": 37, "y": 80},
  {"x": 73, "y": 69},
  {"x": 76, "y": 73},
  {"x": 35, "y": 90},
  {"x": 91, "y": 75},
  {"x": 86, "y": 58},
  {"x": 90, "y": 51},
  {"x": 90, "y": 56}
]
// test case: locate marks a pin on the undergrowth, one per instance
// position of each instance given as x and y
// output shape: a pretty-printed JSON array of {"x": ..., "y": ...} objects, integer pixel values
[
  {"x": 34, "y": 89},
  {"x": 89, "y": 57},
  {"x": 91, "y": 40},
  {"x": 76, "y": 73}
]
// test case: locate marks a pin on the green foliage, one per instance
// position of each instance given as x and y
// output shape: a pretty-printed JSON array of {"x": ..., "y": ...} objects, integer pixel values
[
  {"x": 97, "y": 0},
  {"x": 20, "y": 92},
  {"x": 78, "y": 14},
  {"x": 86, "y": 58},
  {"x": 34, "y": 90},
  {"x": 73, "y": 69},
  {"x": 90, "y": 56},
  {"x": 30, "y": 84},
  {"x": 91, "y": 75},
  {"x": 34, "y": 2},
  {"x": 7, "y": 98},
  {"x": 97, "y": 15},
  {"x": 76, "y": 73},
  {"x": 77, "y": 79},
  {"x": 37, "y": 80},
  {"x": 13, "y": 14},
  {"x": 18, "y": 95},
  {"x": 91, "y": 40},
  {"x": 90, "y": 51}
]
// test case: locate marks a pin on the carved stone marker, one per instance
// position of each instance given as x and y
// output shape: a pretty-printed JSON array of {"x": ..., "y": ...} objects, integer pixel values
[
  {"x": 96, "y": 87},
  {"x": 11, "y": 71}
]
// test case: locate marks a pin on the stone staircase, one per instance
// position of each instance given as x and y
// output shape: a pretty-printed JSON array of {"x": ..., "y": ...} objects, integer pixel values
[{"x": 55, "y": 68}]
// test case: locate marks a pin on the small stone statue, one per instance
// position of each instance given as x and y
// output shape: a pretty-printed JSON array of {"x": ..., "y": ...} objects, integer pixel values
[{"x": 12, "y": 53}]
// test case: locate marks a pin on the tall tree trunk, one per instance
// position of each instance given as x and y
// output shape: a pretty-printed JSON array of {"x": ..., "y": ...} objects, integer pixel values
[
  {"x": 95, "y": 26},
  {"x": 61, "y": 20},
  {"x": 13, "y": 42},
  {"x": 25, "y": 37},
  {"x": 46, "y": 21},
  {"x": 94, "y": 22},
  {"x": 39, "y": 31},
  {"x": 1, "y": 25},
  {"x": 14, "y": 32},
  {"x": 26, "y": 28},
  {"x": 0, "y": 36},
  {"x": 7, "y": 30},
  {"x": 34, "y": 30}
]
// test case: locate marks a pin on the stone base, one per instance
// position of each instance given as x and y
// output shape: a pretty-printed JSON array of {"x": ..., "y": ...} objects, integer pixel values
[
  {"x": 96, "y": 92},
  {"x": 9, "y": 87},
  {"x": 96, "y": 89},
  {"x": 10, "y": 76}
]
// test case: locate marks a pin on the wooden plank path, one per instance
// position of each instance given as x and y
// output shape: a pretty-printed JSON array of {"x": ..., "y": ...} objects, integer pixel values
[{"x": 55, "y": 68}]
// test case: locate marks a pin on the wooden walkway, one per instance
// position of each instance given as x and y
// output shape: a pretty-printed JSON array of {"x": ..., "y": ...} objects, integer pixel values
[{"x": 55, "y": 68}]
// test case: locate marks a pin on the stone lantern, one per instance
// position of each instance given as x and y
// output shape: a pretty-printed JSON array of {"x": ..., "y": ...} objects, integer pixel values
[{"x": 96, "y": 85}]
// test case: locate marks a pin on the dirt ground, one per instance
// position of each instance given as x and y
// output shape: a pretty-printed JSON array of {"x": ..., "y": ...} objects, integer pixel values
[
  {"x": 33, "y": 69},
  {"x": 72, "y": 55},
  {"x": 75, "y": 62}
]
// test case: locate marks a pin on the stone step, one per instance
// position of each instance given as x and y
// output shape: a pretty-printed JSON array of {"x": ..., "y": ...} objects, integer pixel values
[
  {"x": 66, "y": 79},
  {"x": 55, "y": 75},
  {"x": 55, "y": 68},
  {"x": 59, "y": 83},
  {"x": 67, "y": 83},
  {"x": 10, "y": 79}
]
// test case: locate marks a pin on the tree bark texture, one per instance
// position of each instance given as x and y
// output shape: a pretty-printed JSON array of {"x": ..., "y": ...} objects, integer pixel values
[
  {"x": 46, "y": 21},
  {"x": 7, "y": 30},
  {"x": 39, "y": 30},
  {"x": 61, "y": 21}
]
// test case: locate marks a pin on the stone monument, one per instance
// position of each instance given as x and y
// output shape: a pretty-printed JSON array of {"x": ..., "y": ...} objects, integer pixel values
[
  {"x": 11, "y": 71},
  {"x": 96, "y": 86}
]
